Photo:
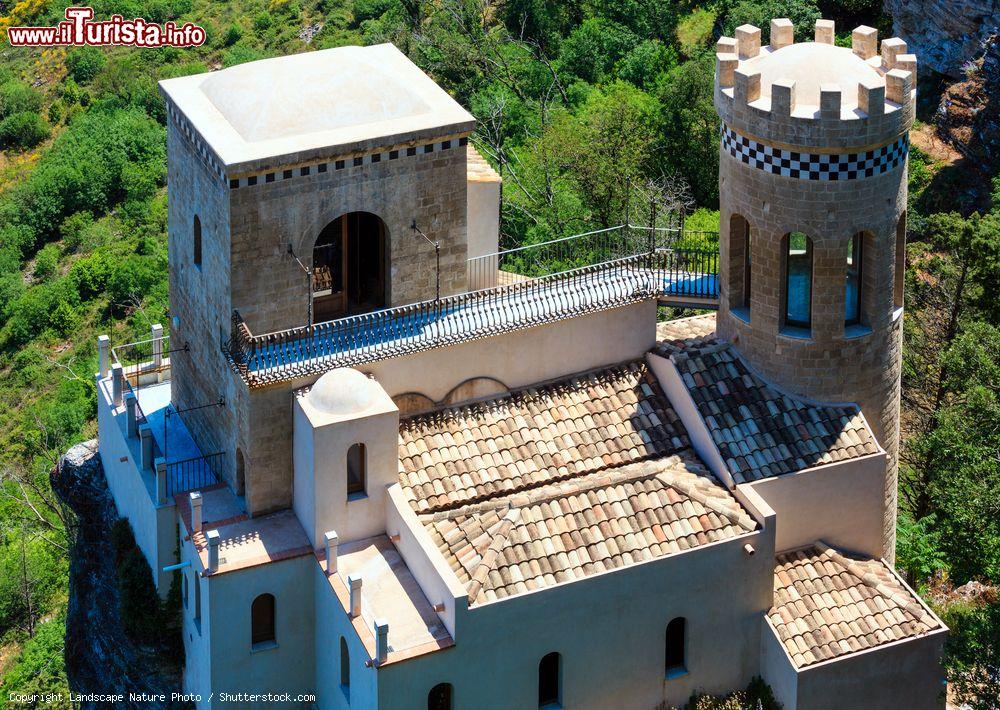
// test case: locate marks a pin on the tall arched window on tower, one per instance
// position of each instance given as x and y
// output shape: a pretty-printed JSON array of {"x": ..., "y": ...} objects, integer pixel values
[
  {"x": 241, "y": 473},
  {"x": 899, "y": 271},
  {"x": 550, "y": 681},
  {"x": 798, "y": 280},
  {"x": 345, "y": 668},
  {"x": 853, "y": 283},
  {"x": 674, "y": 663},
  {"x": 440, "y": 697},
  {"x": 196, "y": 241},
  {"x": 739, "y": 265},
  {"x": 356, "y": 465},
  {"x": 262, "y": 621}
]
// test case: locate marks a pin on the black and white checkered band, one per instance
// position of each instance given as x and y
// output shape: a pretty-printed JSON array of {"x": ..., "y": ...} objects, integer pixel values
[{"x": 815, "y": 166}]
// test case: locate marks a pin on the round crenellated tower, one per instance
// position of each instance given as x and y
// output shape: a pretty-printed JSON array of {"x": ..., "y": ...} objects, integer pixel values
[{"x": 812, "y": 192}]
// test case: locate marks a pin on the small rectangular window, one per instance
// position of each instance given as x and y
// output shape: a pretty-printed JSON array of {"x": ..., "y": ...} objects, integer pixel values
[{"x": 356, "y": 470}]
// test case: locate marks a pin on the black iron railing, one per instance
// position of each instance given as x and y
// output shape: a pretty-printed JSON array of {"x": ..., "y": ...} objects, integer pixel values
[
  {"x": 655, "y": 272},
  {"x": 192, "y": 474}
]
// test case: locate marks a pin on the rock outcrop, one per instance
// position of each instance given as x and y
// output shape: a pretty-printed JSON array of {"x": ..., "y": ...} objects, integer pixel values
[
  {"x": 969, "y": 113},
  {"x": 944, "y": 34}
]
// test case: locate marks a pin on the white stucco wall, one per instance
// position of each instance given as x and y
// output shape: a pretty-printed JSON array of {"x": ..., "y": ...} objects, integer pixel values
[
  {"x": 286, "y": 667},
  {"x": 134, "y": 491},
  {"x": 332, "y": 623},
  {"x": 319, "y": 490},
  {"x": 840, "y": 503},
  {"x": 527, "y": 356},
  {"x": 610, "y": 630},
  {"x": 483, "y": 216}
]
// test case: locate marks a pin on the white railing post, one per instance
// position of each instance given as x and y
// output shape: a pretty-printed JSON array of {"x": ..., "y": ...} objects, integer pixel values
[
  {"x": 381, "y": 641},
  {"x": 196, "y": 501},
  {"x": 146, "y": 446},
  {"x": 157, "y": 333},
  {"x": 131, "y": 414},
  {"x": 117, "y": 385},
  {"x": 213, "y": 550},
  {"x": 103, "y": 355},
  {"x": 354, "y": 584},
  {"x": 331, "y": 551},
  {"x": 161, "y": 480}
]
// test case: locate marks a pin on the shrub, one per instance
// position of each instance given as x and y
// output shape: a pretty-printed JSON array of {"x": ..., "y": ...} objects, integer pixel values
[
  {"x": 262, "y": 22},
  {"x": 645, "y": 62},
  {"x": 139, "y": 603},
  {"x": 72, "y": 229},
  {"x": 84, "y": 63},
  {"x": 18, "y": 97},
  {"x": 23, "y": 130},
  {"x": 232, "y": 36},
  {"x": 46, "y": 262},
  {"x": 40, "y": 668}
]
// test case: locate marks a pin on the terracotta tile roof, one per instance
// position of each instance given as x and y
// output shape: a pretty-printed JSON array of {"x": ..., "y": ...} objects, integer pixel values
[
  {"x": 684, "y": 334},
  {"x": 589, "y": 422},
  {"x": 590, "y": 524},
  {"x": 760, "y": 431},
  {"x": 827, "y": 604}
]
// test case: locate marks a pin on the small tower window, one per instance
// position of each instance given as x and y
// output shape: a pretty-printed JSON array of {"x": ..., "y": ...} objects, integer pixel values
[
  {"x": 852, "y": 286},
  {"x": 674, "y": 663},
  {"x": 739, "y": 262},
  {"x": 197, "y": 601},
  {"x": 197, "y": 241},
  {"x": 440, "y": 697},
  {"x": 184, "y": 589},
  {"x": 798, "y": 280},
  {"x": 549, "y": 681},
  {"x": 899, "y": 271},
  {"x": 356, "y": 465},
  {"x": 262, "y": 620},
  {"x": 345, "y": 668}
]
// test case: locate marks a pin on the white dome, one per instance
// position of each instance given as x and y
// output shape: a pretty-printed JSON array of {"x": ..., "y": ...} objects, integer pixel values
[{"x": 343, "y": 391}]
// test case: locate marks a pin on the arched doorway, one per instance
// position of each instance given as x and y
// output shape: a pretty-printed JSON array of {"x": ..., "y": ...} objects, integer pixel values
[
  {"x": 241, "y": 473},
  {"x": 350, "y": 263}
]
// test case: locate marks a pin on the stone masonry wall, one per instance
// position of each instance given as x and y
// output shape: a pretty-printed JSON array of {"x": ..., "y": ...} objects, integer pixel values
[
  {"x": 199, "y": 301},
  {"x": 271, "y": 291}
]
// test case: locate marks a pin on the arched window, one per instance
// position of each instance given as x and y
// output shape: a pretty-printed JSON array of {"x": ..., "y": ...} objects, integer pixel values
[
  {"x": 440, "y": 697},
  {"x": 184, "y": 589},
  {"x": 262, "y": 620},
  {"x": 899, "y": 271},
  {"x": 350, "y": 267},
  {"x": 549, "y": 680},
  {"x": 345, "y": 667},
  {"x": 853, "y": 283},
  {"x": 674, "y": 662},
  {"x": 197, "y": 241},
  {"x": 739, "y": 262},
  {"x": 356, "y": 465},
  {"x": 798, "y": 280},
  {"x": 241, "y": 473}
]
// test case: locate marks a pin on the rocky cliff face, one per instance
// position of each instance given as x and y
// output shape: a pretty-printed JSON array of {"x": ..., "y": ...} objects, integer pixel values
[
  {"x": 969, "y": 113},
  {"x": 945, "y": 34}
]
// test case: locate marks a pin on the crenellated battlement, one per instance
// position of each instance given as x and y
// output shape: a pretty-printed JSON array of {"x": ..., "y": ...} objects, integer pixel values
[{"x": 815, "y": 94}]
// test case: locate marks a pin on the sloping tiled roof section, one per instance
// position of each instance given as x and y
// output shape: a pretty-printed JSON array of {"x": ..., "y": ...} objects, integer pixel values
[
  {"x": 684, "y": 334},
  {"x": 827, "y": 604},
  {"x": 760, "y": 431},
  {"x": 532, "y": 437},
  {"x": 584, "y": 526}
]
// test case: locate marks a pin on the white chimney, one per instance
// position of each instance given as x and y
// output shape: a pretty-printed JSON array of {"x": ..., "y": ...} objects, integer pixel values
[
  {"x": 196, "y": 501},
  {"x": 354, "y": 584},
  {"x": 331, "y": 551},
  {"x": 157, "y": 332},
  {"x": 381, "y": 641},
  {"x": 213, "y": 550}
]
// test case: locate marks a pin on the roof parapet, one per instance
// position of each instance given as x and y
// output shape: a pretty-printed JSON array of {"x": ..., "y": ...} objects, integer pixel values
[{"x": 743, "y": 97}]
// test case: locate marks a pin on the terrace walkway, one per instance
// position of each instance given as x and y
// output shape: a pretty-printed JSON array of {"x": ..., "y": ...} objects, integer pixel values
[{"x": 680, "y": 278}]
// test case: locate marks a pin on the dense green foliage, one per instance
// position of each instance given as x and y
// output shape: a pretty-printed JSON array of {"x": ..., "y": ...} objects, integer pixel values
[{"x": 592, "y": 111}]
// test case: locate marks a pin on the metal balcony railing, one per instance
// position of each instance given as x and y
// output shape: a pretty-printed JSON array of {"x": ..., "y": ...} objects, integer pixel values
[
  {"x": 553, "y": 281},
  {"x": 192, "y": 474}
]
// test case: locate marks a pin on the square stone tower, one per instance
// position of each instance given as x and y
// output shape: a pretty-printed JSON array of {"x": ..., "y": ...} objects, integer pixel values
[
  {"x": 294, "y": 185},
  {"x": 812, "y": 191}
]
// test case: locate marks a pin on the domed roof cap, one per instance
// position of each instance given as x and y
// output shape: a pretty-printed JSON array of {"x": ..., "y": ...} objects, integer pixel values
[{"x": 343, "y": 391}]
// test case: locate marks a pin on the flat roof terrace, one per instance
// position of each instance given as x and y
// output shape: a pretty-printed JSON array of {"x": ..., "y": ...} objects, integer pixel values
[{"x": 638, "y": 265}]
